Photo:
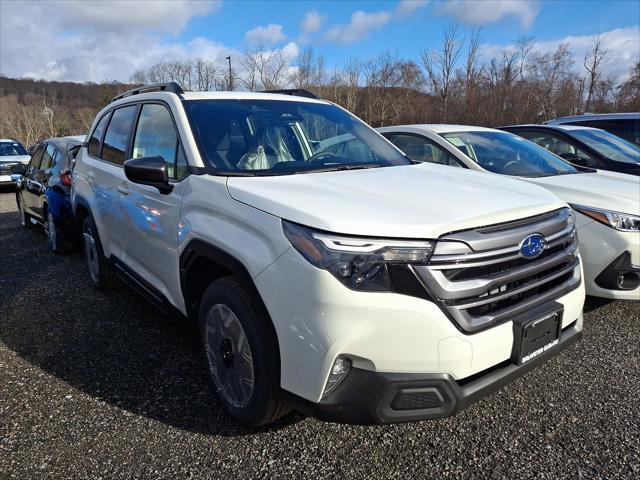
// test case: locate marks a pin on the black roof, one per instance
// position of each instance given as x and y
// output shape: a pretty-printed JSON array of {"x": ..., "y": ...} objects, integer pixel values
[{"x": 63, "y": 143}]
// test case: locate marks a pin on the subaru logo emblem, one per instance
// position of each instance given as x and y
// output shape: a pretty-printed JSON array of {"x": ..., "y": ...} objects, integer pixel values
[{"x": 533, "y": 246}]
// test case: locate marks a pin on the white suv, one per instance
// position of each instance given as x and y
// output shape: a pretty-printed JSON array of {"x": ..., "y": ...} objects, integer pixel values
[{"x": 327, "y": 272}]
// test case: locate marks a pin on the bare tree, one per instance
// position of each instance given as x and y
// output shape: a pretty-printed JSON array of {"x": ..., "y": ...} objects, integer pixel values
[
  {"x": 439, "y": 66},
  {"x": 264, "y": 69},
  {"x": 472, "y": 72},
  {"x": 592, "y": 63}
]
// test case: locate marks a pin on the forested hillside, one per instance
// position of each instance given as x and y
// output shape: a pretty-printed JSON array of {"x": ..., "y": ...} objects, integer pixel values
[{"x": 31, "y": 110}]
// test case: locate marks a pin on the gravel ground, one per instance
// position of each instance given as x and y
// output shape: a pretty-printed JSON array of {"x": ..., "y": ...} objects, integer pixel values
[{"x": 102, "y": 386}]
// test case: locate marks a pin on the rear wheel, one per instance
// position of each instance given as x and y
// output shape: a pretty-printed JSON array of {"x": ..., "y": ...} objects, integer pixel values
[
  {"x": 100, "y": 272},
  {"x": 54, "y": 239},
  {"x": 241, "y": 351}
]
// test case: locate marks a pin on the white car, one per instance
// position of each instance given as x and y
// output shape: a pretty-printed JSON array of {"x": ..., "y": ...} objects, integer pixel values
[
  {"x": 608, "y": 203},
  {"x": 13, "y": 160},
  {"x": 334, "y": 277}
]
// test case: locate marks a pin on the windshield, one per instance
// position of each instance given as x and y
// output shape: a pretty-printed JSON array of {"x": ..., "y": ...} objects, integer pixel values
[
  {"x": 508, "y": 154},
  {"x": 10, "y": 149},
  {"x": 608, "y": 145},
  {"x": 274, "y": 137}
]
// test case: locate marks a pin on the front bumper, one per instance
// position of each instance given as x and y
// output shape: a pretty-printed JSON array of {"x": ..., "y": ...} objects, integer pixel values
[
  {"x": 367, "y": 397},
  {"x": 316, "y": 319},
  {"x": 605, "y": 253}
]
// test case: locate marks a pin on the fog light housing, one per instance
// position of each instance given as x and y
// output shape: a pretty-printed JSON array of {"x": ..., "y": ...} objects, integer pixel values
[{"x": 339, "y": 371}]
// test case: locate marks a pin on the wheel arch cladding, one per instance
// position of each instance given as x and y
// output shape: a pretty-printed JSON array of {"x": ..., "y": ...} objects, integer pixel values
[{"x": 201, "y": 264}]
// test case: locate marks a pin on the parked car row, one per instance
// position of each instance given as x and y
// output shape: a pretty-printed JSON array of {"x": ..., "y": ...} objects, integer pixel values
[
  {"x": 606, "y": 204},
  {"x": 330, "y": 271},
  {"x": 13, "y": 160}
]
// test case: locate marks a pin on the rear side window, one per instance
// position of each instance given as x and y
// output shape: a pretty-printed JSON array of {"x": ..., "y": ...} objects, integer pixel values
[
  {"x": 47, "y": 157},
  {"x": 58, "y": 162},
  {"x": 156, "y": 135},
  {"x": 34, "y": 164},
  {"x": 117, "y": 136},
  {"x": 617, "y": 127},
  {"x": 96, "y": 137},
  {"x": 421, "y": 149}
]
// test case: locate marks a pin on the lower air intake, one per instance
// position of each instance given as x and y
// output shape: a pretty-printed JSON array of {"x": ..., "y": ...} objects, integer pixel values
[{"x": 417, "y": 399}]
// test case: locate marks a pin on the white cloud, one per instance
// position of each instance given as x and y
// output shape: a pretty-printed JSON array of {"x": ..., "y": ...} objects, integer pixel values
[
  {"x": 269, "y": 35},
  {"x": 475, "y": 12},
  {"x": 117, "y": 15},
  {"x": 96, "y": 49},
  {"x": 407, "y": 7},
  {"x": 312, "y": 22},
  {"x": 623, "y": 47},
  {"x": 361, "y": 25}
]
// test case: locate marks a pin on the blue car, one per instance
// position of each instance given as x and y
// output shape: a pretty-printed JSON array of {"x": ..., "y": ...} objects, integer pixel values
[{"x": 42, "y": 193}]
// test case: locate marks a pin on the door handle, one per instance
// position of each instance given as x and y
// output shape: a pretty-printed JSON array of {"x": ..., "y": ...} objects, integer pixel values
[
  {"x": 122, "y": 190},
  {"x": 90, "y": 174}
]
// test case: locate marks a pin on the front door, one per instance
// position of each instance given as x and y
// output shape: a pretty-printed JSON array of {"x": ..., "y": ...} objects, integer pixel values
[{"x": 151, "y": 218}]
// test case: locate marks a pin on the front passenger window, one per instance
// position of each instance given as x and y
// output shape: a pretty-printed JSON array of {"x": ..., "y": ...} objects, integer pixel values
[{"x": 156, "y": 136}]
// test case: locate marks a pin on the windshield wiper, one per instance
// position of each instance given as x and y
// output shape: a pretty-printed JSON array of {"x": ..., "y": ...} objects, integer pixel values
[{"x": 339, "y": 167}]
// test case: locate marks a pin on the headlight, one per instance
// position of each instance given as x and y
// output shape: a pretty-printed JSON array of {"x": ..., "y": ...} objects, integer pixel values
[
  {"x": 359, "y": 263},
  {"x": 625, "y": 222}
]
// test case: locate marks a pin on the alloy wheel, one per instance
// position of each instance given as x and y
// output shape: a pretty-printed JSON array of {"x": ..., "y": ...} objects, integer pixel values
[{"x": 229, "y": 355}]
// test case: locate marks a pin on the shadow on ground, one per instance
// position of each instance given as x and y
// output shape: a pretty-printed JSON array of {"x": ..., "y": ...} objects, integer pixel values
[{"x": 113, "y": 346}]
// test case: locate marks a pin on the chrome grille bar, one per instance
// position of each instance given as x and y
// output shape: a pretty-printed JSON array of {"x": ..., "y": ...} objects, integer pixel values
[{"x": 493, "y": 281}]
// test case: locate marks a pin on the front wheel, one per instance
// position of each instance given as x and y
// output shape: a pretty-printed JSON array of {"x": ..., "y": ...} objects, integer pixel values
[{"x": 241, "y": 351}]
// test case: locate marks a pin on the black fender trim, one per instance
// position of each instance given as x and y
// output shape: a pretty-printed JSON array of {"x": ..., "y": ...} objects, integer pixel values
[
  {"x": 80, "y": 200},
  {"x": 198, "y": 249}
]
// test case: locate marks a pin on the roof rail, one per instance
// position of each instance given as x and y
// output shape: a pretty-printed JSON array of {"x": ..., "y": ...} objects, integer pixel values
[
  {"x": 298, "y": 92},
  {"x": 171, "y": 87}
]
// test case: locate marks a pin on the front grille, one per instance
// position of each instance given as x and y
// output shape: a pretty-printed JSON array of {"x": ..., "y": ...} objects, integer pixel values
[
  {"x": 12, "y": 168},
  {"x": 493, "y": 281}
]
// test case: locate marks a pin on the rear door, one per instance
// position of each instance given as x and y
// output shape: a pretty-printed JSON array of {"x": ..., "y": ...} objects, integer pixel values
[
  {"x": 28, "y": 188},
  {"x": 150, "y": 218},
  {"x": 106, "y": 174},
  {"x": 38, "y": 183}
]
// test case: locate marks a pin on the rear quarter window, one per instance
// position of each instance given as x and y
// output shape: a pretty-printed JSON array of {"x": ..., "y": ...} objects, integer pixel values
[{"x": 96, "y": 136}]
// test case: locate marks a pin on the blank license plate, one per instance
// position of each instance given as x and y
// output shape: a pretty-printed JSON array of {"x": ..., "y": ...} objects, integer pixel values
[{"x": 538, "y": 336}]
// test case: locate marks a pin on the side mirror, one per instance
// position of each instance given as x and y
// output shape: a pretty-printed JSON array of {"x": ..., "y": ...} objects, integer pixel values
[
  {"x": 150, "y": 171},
  {"x": 573, "y": 158}
]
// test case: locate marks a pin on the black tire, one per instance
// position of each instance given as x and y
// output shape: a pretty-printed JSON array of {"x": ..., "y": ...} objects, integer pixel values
[
  {"x": 103, "y": 277},
  {"x": 25, "y": 218},
  {"x": 58, "y": 244},
  {"x": 264, "y": 403}
]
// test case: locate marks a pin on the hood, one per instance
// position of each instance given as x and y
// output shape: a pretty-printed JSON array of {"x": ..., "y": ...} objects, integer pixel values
[
  {"x": 15, "y": 158},
  {"x": 413, "y": 201},
  {"x": 605, "y": 190}
]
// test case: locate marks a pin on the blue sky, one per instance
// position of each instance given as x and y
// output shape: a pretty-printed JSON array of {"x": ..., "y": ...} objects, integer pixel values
[{"x": 108, "y": 40}]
